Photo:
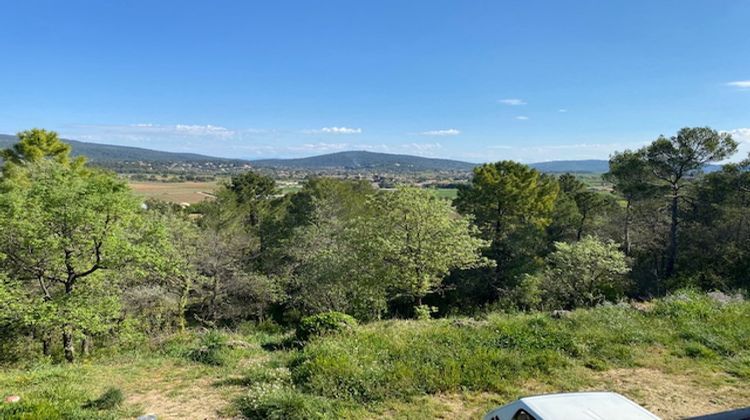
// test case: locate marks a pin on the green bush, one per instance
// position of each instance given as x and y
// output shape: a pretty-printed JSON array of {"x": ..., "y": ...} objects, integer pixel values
[
  {"x": 111, "y": 398},
  {"x": 686, "y": 304},
  {"x": 323, "y": 324},
  {"x": 424, "y": 312},
  {"x": 211, "y": 349},
  {"x": 268, "y": 326},
  {"x": 282, "y": 403}
]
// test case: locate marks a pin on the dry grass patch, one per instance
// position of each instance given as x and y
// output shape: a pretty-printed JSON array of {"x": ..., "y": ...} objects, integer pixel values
[
  {"x": 176, "y": 192},
  {"x": 196, "y": 400},
  {"x": 173, "y": 390},
  {"x": 673, "y": 396}
]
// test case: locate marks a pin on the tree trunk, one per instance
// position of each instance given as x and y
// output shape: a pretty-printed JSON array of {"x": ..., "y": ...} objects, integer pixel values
[
  {"x": 214, "y": 296},
  {"x": 626, "y": 234},
  {"x": 68, "y": 346},
  {"x": 85, "y": 346},
  {"x": 181, "y": 305},
  {"x": 672, "y": 250},
  {"x": 46, "y": 346},
  {"x": 496, "y": 253},
  {"x": 495, "y": 245},
  {"x": 579, "y": 232}
]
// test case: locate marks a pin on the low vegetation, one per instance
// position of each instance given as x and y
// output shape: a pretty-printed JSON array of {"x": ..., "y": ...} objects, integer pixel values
[
  {"x": 340, "y": 299},
  {"x": 398, "y": 368}
]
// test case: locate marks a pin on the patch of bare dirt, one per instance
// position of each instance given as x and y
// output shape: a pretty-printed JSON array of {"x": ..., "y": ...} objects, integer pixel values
[
  {"x": 672, "y": 396},
  {"x": 196, "y": 400},
  {"x": 669, "y": 396}
]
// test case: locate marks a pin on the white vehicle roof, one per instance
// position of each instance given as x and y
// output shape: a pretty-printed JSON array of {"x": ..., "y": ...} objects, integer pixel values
[{"x": 575, "y": 405}]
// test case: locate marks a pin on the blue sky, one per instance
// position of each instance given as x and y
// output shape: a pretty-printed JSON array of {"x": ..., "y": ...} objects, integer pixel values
[{"x": 471, "y": 80}]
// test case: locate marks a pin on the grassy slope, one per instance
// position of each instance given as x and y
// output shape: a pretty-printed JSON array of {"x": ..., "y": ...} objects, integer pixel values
[
  {"x": 685, "y": 356},
  {"x": 690, "y": 348}
]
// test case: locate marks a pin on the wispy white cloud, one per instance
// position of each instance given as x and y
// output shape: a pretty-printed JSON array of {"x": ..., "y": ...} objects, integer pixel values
[
  {"x": 202, "y": 130},
  {"x": 581, "y": 150},
  {"x": 145, "y": 131},
  {"x": 742, "y": 135},
  {"x": 335, "y": 130},
  {"x": 441, "y": 133},
  {"x": 522, "y": 118},
  {"x": 541, "y": 153},
  {"x": 512, "y": 101},
  {"x": 562, "y": 110},
  {"x": 742, "y": 84}
]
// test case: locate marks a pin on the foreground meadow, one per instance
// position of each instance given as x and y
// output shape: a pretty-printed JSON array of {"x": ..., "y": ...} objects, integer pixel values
[{"x": 687, "y": 354}]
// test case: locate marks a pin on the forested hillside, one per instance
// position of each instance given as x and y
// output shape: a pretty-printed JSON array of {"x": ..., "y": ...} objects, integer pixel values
[
  {"x": 122, "y": 158},
  {"x": 296, "y": 305},
  {"x": 370, "y": 160},
  {"x": 96, "y": 152}
]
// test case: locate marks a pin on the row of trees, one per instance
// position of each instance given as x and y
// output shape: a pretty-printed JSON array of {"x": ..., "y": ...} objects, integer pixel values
[{"x": 82, "y": 260}]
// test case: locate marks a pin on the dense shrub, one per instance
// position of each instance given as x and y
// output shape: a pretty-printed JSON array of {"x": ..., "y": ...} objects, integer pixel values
[
  {"x": 111, "y": 398},
  {"x": 323, "y": 324},
  {"x": 424, "y": 312},
  {"x": 584, "y": 273},
  {"x": 211, "y": 349},
  {"x": 708, "y": 326}
]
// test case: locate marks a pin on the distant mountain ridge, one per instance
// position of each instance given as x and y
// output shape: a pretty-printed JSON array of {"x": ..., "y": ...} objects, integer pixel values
[
  {"x": 96, "y": 152},
  {"x": 588, "y": 166},
  {"x": 366, "y": 160},
  {"x": 348, "y": 160}
]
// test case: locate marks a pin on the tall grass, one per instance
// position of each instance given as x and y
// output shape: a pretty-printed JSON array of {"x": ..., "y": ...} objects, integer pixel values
[{"x": 399, "y": 359}]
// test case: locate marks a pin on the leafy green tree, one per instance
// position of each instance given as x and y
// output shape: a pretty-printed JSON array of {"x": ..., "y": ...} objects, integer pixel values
[
  {"x": 716, "y": 231},
  {"x": 15, "y": 318},
  {"x": 674, "y": 161},
  {"x": 63, "y": 227},
  {"x": 245, "y": 206},
  {"x": 232, "y": 291},
  {"x": 252, "y": 192},
  {"x": 511, "y": 204},
  {"x": 37, "y": 144},
  {"x": 34, "y": 146},
  {"x": 179, "y": 244},
  {"x": 633, "y": 180},
  {"x": 318, "y": 253},
  {"x": 585, "y": 273},
  {"x": 344, "y": 199},
  {"x": 564, "y": 220},
  {"x": 415, "y": 240},
  {"x": 588, "y": 203}
]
